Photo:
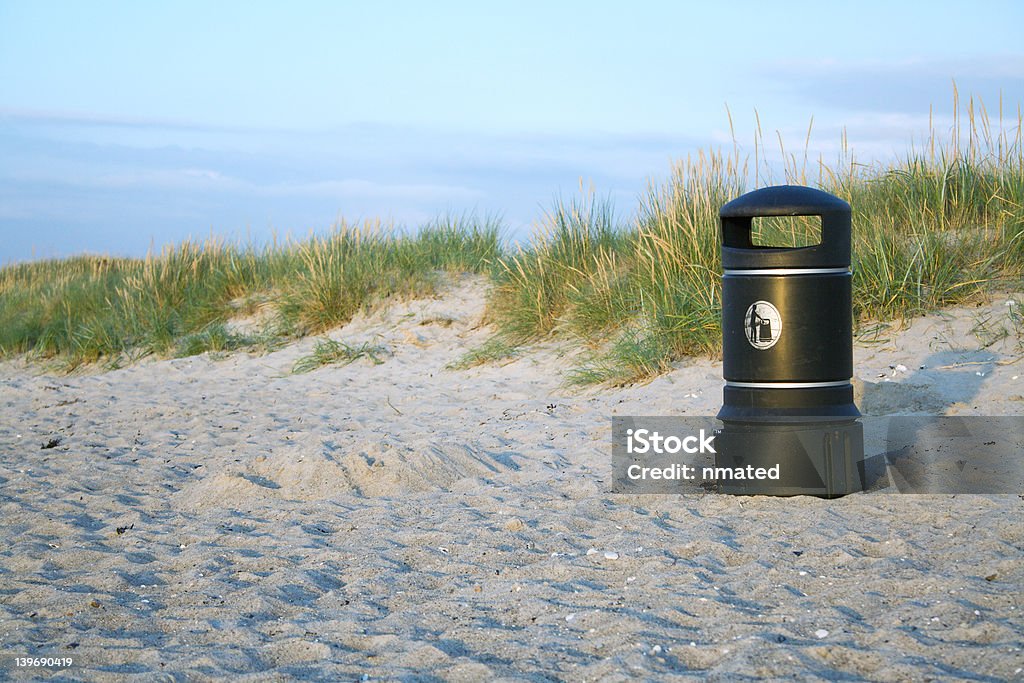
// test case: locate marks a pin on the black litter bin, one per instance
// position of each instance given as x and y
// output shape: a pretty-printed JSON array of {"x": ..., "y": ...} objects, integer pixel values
[{"x": 787, "y": 337}]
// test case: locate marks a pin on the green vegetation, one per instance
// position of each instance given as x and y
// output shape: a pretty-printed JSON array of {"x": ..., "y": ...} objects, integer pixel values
[
  {"x": 215, "y": 337},
  {"x": 491, "y": 351},
  {"x": 940, "y": 226},
  {"x": 933, "y": 229},
  {"x": 990, "y": 329},
  {"x": 88, "y": 309},
  {"x": 337, "y": 275},
  {"x": 329, "y": 351}
]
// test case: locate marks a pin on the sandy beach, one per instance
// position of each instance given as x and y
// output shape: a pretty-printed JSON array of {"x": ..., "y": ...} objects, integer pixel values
[{"x": 219, "y": 517}]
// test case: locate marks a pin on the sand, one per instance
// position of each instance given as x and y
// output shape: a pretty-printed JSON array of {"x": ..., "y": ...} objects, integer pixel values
[{"x": 217, "y": 516}]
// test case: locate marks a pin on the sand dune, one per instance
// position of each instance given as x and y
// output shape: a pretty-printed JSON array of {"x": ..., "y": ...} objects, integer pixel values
[{"x": 218, "y": 517}]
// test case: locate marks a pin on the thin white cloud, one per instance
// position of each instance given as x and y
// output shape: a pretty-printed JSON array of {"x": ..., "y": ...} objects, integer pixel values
[
  {"x": 357, "y": 188},
  {"x": 103, "y": 120},
  {"x": 1007, "y": 66},
  {"x": 909, "y": 86},
  {"x": 211, "y": 180}
]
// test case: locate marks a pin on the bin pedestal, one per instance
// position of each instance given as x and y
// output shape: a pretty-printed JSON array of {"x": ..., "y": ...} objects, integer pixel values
[{"x": 812, "y": 459}]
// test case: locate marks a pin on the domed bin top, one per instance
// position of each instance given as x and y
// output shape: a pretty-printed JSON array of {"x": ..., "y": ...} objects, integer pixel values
[{"x": 740, "y": 253}]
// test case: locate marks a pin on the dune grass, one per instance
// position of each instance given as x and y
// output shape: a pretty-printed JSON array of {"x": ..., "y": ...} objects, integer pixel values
[
  {"x": 331, "y": 352},
  {"x": 87, "y": 309},
  {"x": 494, "y": 350},
  {"x": 936, "y": 228},
  {"x": 940, "y": 226}
]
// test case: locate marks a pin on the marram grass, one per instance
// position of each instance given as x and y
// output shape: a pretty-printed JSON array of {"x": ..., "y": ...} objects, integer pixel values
[
  {"x": 936, "y": 228},
  {"x": 493, "y": 350},
  {"x": 87, "y": 308},
  {"x": 332, "y": 352}
]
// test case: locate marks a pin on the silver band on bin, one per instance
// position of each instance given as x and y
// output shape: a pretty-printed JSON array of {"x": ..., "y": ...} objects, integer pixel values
[
  {"x": 786, "y": 271},
  {"x": 786, "y": 385}
]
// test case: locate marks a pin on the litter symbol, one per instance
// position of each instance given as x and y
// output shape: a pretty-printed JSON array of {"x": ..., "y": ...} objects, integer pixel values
[{"x": 763, "y": 325}]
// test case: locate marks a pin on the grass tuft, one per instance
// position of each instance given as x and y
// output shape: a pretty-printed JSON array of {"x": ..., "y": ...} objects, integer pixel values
[
  {"x": 493, "y": 350},
  {"x": 536, "y": 286},
  {"x": 215, "y": 338},
  {"x": 330, "y": 352}
]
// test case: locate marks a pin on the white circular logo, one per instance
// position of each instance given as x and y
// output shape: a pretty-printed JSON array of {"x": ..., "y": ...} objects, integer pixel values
[{"x": 762, "y": 324}]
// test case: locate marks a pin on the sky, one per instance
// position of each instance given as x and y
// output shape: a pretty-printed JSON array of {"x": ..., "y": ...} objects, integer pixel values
[{"x": 125, "y": 126}]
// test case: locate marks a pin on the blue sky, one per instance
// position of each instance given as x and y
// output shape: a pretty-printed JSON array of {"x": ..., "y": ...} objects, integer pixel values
[{"x": 129, "y": 124}]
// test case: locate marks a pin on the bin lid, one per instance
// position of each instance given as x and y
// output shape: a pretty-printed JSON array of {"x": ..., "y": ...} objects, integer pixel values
[
  {"x": 784, "y": 200},
  {"x": 739, "y": 251}
]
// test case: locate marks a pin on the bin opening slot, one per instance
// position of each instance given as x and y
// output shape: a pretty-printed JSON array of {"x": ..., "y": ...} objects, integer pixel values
[{"x": 786, "y": 231}]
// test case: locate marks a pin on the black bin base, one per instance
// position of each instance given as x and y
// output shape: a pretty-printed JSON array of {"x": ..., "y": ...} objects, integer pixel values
[{"x": 824, "y": 459}]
